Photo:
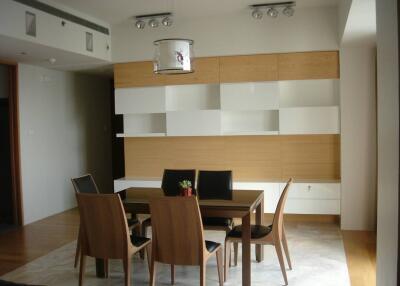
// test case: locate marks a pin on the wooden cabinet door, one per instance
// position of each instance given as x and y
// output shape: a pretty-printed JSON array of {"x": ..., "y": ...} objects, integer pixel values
[
  {"x": 136, "y": 74},
  {"x": 308, "y": 65},
  {"x": 206, "y": 70},
  {"x": 249, "y": 68}
]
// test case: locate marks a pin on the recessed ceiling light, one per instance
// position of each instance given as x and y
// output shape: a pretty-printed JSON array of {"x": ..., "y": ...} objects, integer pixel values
[
  {"x": 52, "y": 61},
  {"x": 153, "y": 23}
]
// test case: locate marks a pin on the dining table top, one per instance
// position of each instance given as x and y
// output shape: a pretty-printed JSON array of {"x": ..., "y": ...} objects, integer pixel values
[{"x": 242, "y": 200}]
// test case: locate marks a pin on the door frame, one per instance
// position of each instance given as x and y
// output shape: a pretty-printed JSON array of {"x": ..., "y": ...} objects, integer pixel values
[{"x": 18, "y": 215}]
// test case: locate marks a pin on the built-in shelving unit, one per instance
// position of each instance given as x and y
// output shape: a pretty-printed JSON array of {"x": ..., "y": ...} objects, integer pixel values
[{"x": 248, "y": 108}]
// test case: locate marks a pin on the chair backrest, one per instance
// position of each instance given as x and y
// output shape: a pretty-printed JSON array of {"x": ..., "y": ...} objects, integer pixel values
[
  {"x": 171, "y": 179},
  {"x": 215, "y": 185},
  {"x": 85, "y": 185},
  {"x": 277, "y": 222},
  {"x": 105, "y": 232},
  {"x": 177, "y": 230}
]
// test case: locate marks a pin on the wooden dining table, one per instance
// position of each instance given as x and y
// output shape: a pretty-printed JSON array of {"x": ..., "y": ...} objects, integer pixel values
[{"x": 242, "y": 205}]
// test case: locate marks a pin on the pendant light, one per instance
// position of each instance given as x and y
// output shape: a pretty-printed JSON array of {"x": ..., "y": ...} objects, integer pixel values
[{"x": 173, "y": 56}]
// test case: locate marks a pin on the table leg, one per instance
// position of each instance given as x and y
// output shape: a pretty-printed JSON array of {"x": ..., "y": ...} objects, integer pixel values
[
  {"x": 259, "y": 221},
  {"x": 246, "y": 251},
  {"x": 100, "y": 273}
]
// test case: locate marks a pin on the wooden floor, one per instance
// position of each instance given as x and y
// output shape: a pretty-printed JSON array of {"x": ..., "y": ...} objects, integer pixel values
[{"x": 22, "y": 245}]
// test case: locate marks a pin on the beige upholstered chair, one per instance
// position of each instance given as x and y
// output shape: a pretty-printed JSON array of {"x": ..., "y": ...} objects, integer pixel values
[
  {"x": 272, "y": 235},
  {"x": 178, "y": 237},
  {"x": 105, "y": 233}
]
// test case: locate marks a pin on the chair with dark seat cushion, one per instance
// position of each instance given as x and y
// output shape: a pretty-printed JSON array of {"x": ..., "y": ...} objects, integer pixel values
[
  {"x": 215, "y": 185},
  {"x": 105, "y": 233},
  {"x": 171, "y": 179},
  {"x": 170, "y": 186},
  {"x": 265, "y": 235},
  {"x": 178, "y": 237},
  {"x": 86, "y": 185}
]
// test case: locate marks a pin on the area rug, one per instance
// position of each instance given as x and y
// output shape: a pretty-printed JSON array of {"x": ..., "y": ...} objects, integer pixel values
[{"x": 317, "y": 254}]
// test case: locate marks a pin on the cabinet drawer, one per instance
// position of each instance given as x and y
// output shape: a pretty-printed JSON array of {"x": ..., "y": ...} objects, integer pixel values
[
  {"x": 323, "y": 191},
  {"x": 312, "y": 206}
]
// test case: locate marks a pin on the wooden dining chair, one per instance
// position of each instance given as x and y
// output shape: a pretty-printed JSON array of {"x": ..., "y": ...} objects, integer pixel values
[
  {"x": 178, "y": 237},
  {"x": 265, "y": 235},
  {"x": 215, "y": 185},
  {"x": 86, "y": 185},
  {"x": 170, "y": 186},
  {"x": 105, "y": 234}
]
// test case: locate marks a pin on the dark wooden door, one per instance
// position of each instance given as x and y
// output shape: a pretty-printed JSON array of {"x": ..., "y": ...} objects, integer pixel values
[{"x": 6, "y": 197}]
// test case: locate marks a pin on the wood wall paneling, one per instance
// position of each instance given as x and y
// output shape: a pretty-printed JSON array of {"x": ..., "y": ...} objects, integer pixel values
[
  {"x": 308, "y": 65},
  {"x": 250, "y": 157},
  {"x": 263, "y": 67},
  {"x": 136, "y": 74}
]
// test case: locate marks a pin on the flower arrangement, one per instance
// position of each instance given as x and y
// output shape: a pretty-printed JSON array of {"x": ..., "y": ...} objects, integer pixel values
[{"x": 186, "y": 187}]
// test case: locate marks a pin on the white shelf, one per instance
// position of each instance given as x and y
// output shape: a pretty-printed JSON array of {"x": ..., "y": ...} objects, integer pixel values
[
  {"x": 254, "y": 122},
  {"x": 122, "y": 135},
  {"x": 309, "y": 93},
  {"x": 309, "y": 120},
  {"x": 194, "y": 123},
  {"x": 250, "y": 96},
  {"x": 140, "y": 100},
  {"x": 153, "y": 123},
  {"x": 193, "y": 97}
]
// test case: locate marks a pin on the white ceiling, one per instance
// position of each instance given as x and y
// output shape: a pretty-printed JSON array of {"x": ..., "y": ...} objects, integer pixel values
[{"x": 117, "y": 11}]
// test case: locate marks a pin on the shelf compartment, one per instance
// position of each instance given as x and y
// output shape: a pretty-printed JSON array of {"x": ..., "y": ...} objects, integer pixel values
[
  {"x": 140, "y": 100},
  {"x": 193, "y": 97},
  {"x": 194, "y": 123},
  {"x": 309, "y": 93},
  {"x": 144, "y": 125},
  {"x": 256, "y": 122},
  {"x": 250, "y": 96},
  {"x": 309, "y": 120}
]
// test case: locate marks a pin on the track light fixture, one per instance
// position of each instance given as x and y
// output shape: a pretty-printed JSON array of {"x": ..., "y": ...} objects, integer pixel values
[
  {"x": 153, "y": 20},
  {"x": 271, "y": 9}
]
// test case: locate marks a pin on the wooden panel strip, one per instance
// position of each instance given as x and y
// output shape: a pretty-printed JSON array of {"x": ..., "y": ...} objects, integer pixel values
[{"x": 252, "y": 158}]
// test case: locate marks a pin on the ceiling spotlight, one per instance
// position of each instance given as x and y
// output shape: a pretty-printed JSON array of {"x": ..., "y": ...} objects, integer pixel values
[
  {"x": 272, "y": 12},
  {"x": 153, "y": 23},
  {"x": 257, "y": 14},
  {"x": 167, "y": 21},
  {"x": 140, "y": 24},
  {"x": 288, "y": 11},
  {"x": 52, "y": 61}
]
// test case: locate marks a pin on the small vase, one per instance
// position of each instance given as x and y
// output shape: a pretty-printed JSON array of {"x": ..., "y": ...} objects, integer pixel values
[{"x": 187, "y": 192}]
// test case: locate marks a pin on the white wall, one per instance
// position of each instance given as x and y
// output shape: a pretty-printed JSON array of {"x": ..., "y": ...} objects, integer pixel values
[
  {"x": 3, "y": 81},
  {"x": 308, "y": 30},
  {"x": 358, "y": 137},
  {"x": 64, "y": 132},
  {"x": 388, "y": 142}
]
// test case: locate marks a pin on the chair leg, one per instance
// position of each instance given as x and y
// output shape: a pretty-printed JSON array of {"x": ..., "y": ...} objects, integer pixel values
[
  {"x": 148, "y": 254},
  {"x": 202, "y": 274},
  {"x": 143, "y": 232},
  {"x": 235, "y": 252},
  {"x": 152, "y": 271},
  {"x": 227, "y": 255},
  {"x": 286, "y": 248},
  {"x": 278, "y": 249},
  {"x": 172, "y": 274},
  {"x": 106, "y": 268},
  {"x": 219, "y": 266},
  {"x": 77, "y": 252},
  {"x": 82, "y": 265},
  {"x": 127, "y": 270}
]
